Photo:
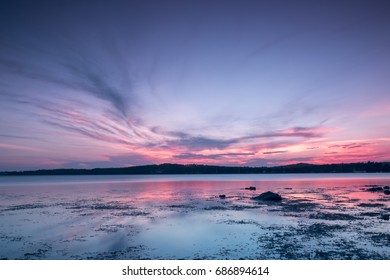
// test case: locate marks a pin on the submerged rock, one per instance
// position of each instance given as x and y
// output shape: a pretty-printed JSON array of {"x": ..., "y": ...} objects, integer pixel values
[
  {"x": 268, "y": 196},
  {"x": 251, "y": 188},
  {"x": 385, "y": 217},
  {"x": 375, "y": 189},
  {"x": 370, "y": 204},
  {"x": 222, "y": 196}
]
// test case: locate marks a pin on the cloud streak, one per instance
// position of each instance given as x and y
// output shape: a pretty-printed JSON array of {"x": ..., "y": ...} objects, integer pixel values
[
  {"x": 81, "y": 77},
  {"x": 193, "y": 156},
  {"x": 199, "y": 142}
]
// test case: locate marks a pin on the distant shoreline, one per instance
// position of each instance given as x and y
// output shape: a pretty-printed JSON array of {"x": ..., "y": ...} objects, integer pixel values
[{"x": 171, "y": 169}]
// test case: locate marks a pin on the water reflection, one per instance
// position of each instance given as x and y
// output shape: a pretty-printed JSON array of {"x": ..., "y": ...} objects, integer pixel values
[{"x": 170, "y": 217}]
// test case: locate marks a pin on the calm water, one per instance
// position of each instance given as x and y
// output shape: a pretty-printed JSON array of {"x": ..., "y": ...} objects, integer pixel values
[{"x": 321, "y": 216}]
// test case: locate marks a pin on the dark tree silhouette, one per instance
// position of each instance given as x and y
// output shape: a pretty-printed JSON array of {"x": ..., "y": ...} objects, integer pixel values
[{"x": 167, "y": 168}]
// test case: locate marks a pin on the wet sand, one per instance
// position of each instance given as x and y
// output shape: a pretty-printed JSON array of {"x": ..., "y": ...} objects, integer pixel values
[{"x": 183, "y": 220}]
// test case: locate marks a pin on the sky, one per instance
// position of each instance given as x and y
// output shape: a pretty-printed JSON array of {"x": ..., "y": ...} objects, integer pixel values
[{"x": 88, "y": 84}]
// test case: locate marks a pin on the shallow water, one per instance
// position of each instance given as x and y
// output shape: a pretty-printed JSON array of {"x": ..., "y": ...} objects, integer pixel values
[{"x": 321, "y": 216}]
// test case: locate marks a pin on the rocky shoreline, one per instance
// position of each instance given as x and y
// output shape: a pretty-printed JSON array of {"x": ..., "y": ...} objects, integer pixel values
[{"x": 247, "y": 223}]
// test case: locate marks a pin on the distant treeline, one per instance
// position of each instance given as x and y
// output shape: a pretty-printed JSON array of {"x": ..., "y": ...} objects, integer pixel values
[{"x": 368, "y": 167}]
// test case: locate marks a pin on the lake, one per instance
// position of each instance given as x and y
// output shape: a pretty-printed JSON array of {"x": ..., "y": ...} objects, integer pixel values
[{"x": 321, "y": 216}]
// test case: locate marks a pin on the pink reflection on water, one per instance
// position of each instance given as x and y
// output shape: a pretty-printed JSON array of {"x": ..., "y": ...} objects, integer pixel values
[
  {"x": 85, "y": 215},
  {"x": 169, "y": 189}
]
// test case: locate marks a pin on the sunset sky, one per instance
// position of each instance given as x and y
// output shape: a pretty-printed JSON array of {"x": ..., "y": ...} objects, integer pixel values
[{"x": 260, "y": 83}]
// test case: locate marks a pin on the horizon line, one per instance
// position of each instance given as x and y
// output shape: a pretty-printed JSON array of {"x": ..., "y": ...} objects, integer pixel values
[{"x": 196, "y": 164}]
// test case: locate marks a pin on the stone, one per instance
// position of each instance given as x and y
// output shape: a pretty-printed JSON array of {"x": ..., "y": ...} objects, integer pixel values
[
  {"x": 375, "y": 189},
  {"x": 268, "y": 196},
  {"x": 385, "y": 217},
  {"x": 386, "y": 192},
  {"x": 222, "y": 196},
  {"x": 251, "y": 188}
]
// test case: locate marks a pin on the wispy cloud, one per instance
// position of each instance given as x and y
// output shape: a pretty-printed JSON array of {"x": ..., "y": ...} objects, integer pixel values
[
  {"x": 14, "y": 136},
  {"x": 274, "y": 152},
  {"x": 194, "y": 156},
  {"x": 76, "y": 69},
  {"x": 264, "y": 46},
  {"x": 20, "y": 147},
  {"x": 198, "y": 142},
  {"x": 350, "y": 145}
]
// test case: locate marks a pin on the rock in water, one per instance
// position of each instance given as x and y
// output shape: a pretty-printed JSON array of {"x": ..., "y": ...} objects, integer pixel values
[
  {"x": 251, "y": 188},
  {"x": 375, "y": 189},
  {"x": 387, "y": 192},
  {"x": 385, "y": 217},
  {"x": 268, "y": 196},
  {"x": 222, "y": 196}
]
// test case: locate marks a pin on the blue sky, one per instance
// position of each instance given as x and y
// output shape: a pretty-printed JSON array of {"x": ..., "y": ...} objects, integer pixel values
[{"x": 119, "y": 83}]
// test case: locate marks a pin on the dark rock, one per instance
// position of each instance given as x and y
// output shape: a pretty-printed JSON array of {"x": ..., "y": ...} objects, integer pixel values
[
  {"x": 375, "y": 189},
  {"x": 371, "y": 204},
  {"x": 251, "y": 188},
  {"x": 386, "y": 188},
  {"x": 268, "y": 196},
  {"x": 387, "y": 192},
  {"x": 370, "y": 214},
  {"x": 222, "y": 196},
  {"x": 385, "y": 217},
  {"x": 215, "y": 208}
]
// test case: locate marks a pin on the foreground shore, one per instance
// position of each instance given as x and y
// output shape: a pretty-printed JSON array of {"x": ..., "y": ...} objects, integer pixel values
[{"x": 182, "y": 220}]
